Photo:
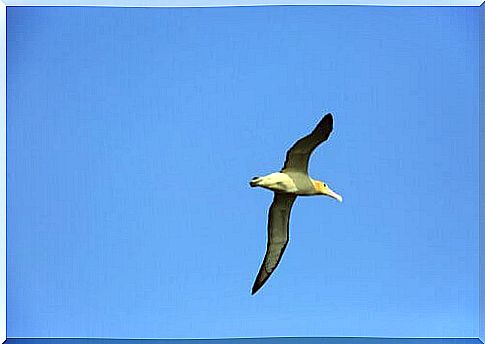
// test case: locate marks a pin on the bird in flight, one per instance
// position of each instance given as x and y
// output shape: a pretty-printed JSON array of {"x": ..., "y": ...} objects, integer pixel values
[{"x": 290, "y": 182}]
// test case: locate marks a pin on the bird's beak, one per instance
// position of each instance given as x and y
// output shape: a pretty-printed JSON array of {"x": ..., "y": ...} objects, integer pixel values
[{"x": 333, "y": 194}]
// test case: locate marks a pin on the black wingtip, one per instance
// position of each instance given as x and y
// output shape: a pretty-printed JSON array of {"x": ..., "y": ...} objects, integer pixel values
[
  {"x": 254, "y": 290},
  {"x": 327, "y": 121},
  {"x": 325, "y": 124},
  {"x": 256, "y": 286}
]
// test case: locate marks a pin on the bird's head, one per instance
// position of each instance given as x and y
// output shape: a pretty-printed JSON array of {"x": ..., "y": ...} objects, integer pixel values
[{"x": 323, "y": 189}]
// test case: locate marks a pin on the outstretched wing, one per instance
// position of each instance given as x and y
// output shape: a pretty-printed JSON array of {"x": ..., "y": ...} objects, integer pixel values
[
  {"x": 278, "y": 221},
  {"x": 298, "y": 155}
]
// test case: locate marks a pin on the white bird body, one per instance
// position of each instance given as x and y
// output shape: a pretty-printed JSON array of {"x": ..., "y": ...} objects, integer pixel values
[
  {"x": 278, "y": 182},
  {"x": 297, "y": 183},
  {"x": 290, "y": 182}
]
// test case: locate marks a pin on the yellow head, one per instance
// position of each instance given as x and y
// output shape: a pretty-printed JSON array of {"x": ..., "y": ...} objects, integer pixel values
[{"x": 323, "y": 189}]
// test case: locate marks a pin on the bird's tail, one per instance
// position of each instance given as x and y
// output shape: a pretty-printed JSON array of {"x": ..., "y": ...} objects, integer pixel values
[{"x": 255, "y": 181}]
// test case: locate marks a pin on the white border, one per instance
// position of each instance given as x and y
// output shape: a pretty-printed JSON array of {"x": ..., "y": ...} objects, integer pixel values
[
  {"x": 3, "y": 172},
  {"x": 228, "y": 3},
  {"x": 132, "y": 3}
]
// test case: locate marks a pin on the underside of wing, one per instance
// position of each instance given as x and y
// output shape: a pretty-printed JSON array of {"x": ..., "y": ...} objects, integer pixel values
[
  {"x": 298, "y": 155},
  {"x": 278, "y": 223}
]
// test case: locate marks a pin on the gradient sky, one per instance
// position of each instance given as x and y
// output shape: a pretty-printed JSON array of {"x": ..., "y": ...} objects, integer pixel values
[{"x": 132, "y": 135}]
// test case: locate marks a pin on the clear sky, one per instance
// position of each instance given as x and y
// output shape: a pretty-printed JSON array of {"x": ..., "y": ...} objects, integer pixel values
[{"x": 132, "y": 135}]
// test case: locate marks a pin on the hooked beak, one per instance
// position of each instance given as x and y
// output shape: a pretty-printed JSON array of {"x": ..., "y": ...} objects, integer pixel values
[{"x": 333, "y": 194}]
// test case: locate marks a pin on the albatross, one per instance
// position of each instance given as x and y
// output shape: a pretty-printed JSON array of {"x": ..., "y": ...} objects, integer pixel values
[{"x": 292, "y": 181}]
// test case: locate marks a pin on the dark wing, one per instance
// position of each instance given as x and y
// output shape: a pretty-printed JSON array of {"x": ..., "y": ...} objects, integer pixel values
[
  {"x": 278, "y": 220},
  {"x": 298, "y": 155}
]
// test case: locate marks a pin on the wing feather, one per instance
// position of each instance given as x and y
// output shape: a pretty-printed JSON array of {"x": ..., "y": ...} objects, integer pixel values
[
  {"x": 298, "y": 155},
  {"x": 278, "y": 235}
]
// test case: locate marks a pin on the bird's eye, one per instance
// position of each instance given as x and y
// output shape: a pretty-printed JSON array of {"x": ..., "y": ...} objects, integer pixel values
[{"x": 324, "y": 185}]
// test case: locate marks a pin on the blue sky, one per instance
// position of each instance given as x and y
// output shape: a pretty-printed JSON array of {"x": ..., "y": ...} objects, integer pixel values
[{"x": 132, "y": 135}]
